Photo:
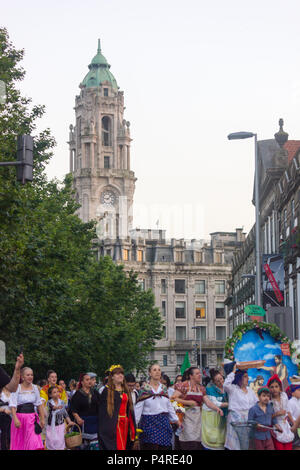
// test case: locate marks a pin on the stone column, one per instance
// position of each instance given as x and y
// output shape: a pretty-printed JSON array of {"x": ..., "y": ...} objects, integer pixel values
[
  {"x": 71, "y": 161},
  {"x": 128, "y": 157}
]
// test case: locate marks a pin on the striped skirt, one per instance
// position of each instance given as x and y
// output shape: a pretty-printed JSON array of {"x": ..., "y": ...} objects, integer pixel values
[{"x": 156, "y": 429}]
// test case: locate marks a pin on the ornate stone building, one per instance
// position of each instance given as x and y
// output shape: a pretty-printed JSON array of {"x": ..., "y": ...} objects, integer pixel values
[
  {"x": 100, "y": 151},
  {"x": 188, "y": 277},
  {"x": 279, "y": 178}
]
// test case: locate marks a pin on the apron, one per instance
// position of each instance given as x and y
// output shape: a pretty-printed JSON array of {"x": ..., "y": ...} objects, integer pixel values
[{"x": 192, "y": 420}]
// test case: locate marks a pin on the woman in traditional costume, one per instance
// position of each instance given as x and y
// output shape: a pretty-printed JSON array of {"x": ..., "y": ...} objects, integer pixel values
[
  {"x": 192, "y": 395},
  {"x": 282, "y": 440},
  {"x": 5, "y": 419},
  {"x": 57, "y": 415},
  {"x": 23, "y": 404},
  {"x": 213, "y": 425},
  {"x": 116, "y": 430},
  {"x": 154, "y": 413},
  {"x": 293, "y": 393},
  {"x": 240, "y": 399},
  {"x": 84, "y": 410},
  {"x": 52, "y": 379}
]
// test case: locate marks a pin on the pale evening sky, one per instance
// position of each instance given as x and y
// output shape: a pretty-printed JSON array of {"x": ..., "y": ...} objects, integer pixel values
[{"x": 191, "y": 72}]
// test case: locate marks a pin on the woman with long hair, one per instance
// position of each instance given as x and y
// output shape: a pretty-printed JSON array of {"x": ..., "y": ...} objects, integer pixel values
[
  {"x": 116, "y": 430},
  {"x": 155, "y": 413},
  {"x": 23, "y": 404},
  {"x": 282, "y": 440}
]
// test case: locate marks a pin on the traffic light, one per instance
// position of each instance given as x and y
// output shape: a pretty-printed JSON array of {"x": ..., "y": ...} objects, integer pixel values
[{"x": 25, "y": 156}]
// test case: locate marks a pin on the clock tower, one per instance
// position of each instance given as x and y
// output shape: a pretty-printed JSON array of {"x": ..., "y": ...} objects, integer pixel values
[{"x": 99, "y": 146}]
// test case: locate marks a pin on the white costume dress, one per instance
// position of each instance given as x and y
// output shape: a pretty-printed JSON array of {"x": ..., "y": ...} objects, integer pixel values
[{"x": 239, "y": 404}]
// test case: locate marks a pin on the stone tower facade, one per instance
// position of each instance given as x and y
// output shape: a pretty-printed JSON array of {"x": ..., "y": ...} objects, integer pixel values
[{"x": 100, "y": 152}]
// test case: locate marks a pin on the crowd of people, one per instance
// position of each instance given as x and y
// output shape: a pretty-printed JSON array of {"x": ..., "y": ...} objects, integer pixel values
[{"x": 193, "y": 413}]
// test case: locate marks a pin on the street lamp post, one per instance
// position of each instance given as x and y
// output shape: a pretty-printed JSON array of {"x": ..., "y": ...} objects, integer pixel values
[
  {"x": 200, "y": 349},
  {"x": 247, "y": 135}
]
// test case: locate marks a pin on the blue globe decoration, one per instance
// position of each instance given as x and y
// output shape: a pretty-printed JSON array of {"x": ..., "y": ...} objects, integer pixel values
[{"x": 251, "y": 347}]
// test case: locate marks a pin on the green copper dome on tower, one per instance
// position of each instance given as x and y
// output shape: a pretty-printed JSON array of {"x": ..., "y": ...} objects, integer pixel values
[{"x": 99, "y": 72}]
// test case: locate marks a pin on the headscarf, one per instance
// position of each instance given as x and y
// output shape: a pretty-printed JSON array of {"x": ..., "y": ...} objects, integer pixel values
[
  {"x": 291, "y": 389},
  {"x": 238, "y": 376},
  {"x": 274, "y": 378},
  {"x": 263, "y": 389}
]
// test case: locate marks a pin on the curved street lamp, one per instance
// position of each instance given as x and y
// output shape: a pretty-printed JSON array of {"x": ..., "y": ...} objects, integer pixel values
[{"x": 247, "y": 135}]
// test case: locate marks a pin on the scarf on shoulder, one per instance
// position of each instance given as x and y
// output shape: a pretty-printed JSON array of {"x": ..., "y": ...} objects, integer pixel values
[
  {"x": 146, "y": 392},
  {"x": 56, "y": 412}
]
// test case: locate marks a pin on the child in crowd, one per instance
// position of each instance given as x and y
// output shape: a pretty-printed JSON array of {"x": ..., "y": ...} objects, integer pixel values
[
  {"x": 283, "y": 440},
  {"x": 262, "y": 413},
  {"x": 294, "y": 405},
  {"x": 57, "y": 414}
]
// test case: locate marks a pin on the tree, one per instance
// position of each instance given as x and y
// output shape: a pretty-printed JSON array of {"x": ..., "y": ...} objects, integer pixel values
[{"x": 70, "y": 312}]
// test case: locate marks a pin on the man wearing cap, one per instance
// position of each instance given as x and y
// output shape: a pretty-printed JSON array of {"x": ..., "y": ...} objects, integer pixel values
[
  {"x": 93, "y": 377},
  {"x": 262, "y": 413}
]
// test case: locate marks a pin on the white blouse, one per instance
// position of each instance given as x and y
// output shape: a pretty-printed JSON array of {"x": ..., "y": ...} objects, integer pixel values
[
  {"x": 294, "y": 407},
  {"x": 237, "y": 399},
  {"x": 155, "y": 406},
  {"x": 20, "y": 397},
  {"x": 5, "y": 398}
]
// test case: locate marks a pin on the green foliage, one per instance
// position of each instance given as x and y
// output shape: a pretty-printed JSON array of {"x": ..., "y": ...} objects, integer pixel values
[{"x": 70, "y": 312}]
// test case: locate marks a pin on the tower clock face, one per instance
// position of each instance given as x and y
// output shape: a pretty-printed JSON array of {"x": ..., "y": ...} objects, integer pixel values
[{"x": 108, "y": 198}]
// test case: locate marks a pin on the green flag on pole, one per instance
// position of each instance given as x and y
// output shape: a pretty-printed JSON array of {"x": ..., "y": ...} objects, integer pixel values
[{"x": 186, "y": 363}]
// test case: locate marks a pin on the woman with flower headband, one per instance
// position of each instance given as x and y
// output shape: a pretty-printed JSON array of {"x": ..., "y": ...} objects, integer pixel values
[{"x": 116, "y": 429}]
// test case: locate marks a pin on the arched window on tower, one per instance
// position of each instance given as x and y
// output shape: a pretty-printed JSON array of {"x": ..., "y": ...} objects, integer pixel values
[{"x": 106, "y": 131}]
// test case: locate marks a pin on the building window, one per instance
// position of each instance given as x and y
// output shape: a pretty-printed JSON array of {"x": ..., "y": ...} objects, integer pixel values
[
  {"x": 141, "y": 283},
  {"x": 201, "y": 333},
  {"x": 220, "y": 333},
  {"x": 125, "y": 255},
  {"x": 163, "y": 286},
  {"x": 179, "y": 286},
  {"x": 180, "y": 309},
  {"x": 106, "y": 131},
  {"x": 106, "y": 162},
  {"x": 105, "y": 91},
  {"x": 219, "y": 287},
  {"x": 200, "y": 310},
  {"x": 165, "y": 360},
  {"x": 220, "y": 310},
  {"x": 164, "y": 332},
  {"x": 180, "y": 333},
  {"x": 180, "y": 359},
  {"x": 199, "y": 287},
  {"x": 163, "y": 308},
  {"x": 140, "y": 255}
]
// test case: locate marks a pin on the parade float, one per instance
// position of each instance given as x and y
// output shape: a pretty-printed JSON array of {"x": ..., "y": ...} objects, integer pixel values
[{"x": 263, "y": 349}]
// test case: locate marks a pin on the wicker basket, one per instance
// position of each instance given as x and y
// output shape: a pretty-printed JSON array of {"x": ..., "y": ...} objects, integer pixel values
[{"x": 73, "y": 441}]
